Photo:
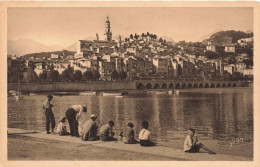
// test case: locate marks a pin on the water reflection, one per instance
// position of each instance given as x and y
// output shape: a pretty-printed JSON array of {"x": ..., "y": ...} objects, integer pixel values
[{"x": 213, "y": 115}]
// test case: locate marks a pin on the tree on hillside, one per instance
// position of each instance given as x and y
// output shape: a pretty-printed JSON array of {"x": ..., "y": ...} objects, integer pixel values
[
  {"x": 96, "y": 75},
  {"x": 67, "y": 74},
  {"x": 161, "y": 40},
  {"x": 77, "y": 75},
  {"x": 211, "y": 55},
  {"x": 43, "y": 76},
  {"x": 131, "y": 36},
  {"x": 136, "y": 36},
  {"x": 88, "y": 75},
  {"x": 122, "y": 75},
  {"x": 114, "y": 75},
  {"x": 54, "y": 76}
]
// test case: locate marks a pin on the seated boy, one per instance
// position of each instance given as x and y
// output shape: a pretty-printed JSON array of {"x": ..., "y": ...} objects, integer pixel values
[
  {"x": 61, "y": 128},
  {"x": 106, "y": 133},
  {"x": 89, "y": 132},
  {"x": 191, "y": 146},
  {"x": 129, "y": 134},
  {"x": 144, "y": 135}
]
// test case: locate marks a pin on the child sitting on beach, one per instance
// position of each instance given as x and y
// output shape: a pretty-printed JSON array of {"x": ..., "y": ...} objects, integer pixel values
[
  {"x": 191, "y": 146},
  {"x": 61, "y": 128},
  {"x": 129, "y": 137},
  {"x": 144, "y": 135}
]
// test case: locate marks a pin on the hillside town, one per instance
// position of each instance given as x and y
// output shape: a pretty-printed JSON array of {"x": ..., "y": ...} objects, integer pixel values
[{"x": 139, "y": 56}]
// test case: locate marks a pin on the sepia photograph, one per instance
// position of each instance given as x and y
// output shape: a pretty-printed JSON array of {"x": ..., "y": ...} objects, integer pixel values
[{"x": 130, "y": 83}]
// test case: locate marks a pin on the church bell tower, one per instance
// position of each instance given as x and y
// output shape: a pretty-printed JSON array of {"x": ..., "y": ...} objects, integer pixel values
[{"x": 108, "y": 32}]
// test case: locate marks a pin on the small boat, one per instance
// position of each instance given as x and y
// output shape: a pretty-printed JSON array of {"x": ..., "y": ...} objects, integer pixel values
[
  {"x": 124, "y": 93},
  {"x": 32, "y": 94},
  {"x": 18, "y": 97},
  {"x": 160, "y": 92},
  {"x": 112, "y": 94},
  {"x": 87, "y": 93},
  {"x": 119, "y": 96},
  {"x": 65, "y": 93},
  {"x": 170, "y": 92}
]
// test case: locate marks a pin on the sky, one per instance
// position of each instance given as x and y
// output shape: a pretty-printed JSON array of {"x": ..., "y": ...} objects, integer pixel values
[{"x": 64, "y": 26}]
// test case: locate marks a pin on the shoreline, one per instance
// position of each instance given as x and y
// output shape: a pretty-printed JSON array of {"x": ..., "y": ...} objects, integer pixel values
[
  {"x": 118, "y": 149},
  {"x": 123, "y": 85}
]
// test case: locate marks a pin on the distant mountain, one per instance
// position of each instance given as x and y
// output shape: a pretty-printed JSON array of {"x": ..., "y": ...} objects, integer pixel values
[
  {"x": 208, "y": 35},
  {"x": 25, "y": 46},
  {"x": 227, "y": 37},
  {"x": 42, "y": 55}
]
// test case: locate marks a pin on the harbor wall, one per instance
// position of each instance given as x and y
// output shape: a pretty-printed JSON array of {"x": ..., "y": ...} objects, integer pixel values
[{"x": 72, "y": 87}]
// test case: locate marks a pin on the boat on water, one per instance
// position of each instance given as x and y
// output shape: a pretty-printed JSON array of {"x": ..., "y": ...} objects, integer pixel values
[
  {"x": 169, "y": 92},
  {"x": 18, "y": 97},
  {"x": 32, "y": 94},
  {"x": 87, "y": 93},
  {"x": 65, "y": 93},
  {"x": 112, "y": 94},
  {"x": 119, "y": 96}
]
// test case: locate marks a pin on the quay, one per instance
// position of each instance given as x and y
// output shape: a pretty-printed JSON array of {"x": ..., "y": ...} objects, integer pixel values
[
  {"x": 123, "y": 85},
  {"x": 166, "y": 152}
]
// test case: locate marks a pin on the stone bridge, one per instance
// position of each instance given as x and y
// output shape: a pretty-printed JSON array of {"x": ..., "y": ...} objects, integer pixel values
[{"x": 168, "y": 84}]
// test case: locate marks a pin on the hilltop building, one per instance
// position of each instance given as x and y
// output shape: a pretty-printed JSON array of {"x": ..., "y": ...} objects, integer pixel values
[{"x": 86, "y": 48}]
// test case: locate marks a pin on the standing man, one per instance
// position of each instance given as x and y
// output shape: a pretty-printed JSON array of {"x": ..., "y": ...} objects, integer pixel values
[
  {"x": 73, "y": 114},
  {"x": 89, "y": 132},
  {"x": 49, "y": 114}
]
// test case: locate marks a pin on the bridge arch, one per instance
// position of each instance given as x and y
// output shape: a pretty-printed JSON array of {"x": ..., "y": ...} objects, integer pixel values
[
  {"x": 177, "y": 86},
  {"x": 140, "y": 86},
  {"x": 164, "y": 86},
  {"x": 218, "y": 85},
  {"x": 224, "y": 85},
  {"x": 234, "y": 85},
  {"x": 183, "y": 86},
  {"x": 206, "y": 85},
  {"x": 156, "y": 86},
  {"x": 196, "y": 85},
  {"x": 212, "y": 85},
  {"x": 189, "y": 85},
  {"x": 201, "y": 85},
  {"x": 149, "y": 86},
  {"x": 229, "y": 85},
  {"x": 171, "y": 86}
]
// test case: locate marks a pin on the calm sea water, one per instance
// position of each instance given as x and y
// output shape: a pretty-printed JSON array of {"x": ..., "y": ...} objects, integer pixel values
[{"x": 216, "y": 114}]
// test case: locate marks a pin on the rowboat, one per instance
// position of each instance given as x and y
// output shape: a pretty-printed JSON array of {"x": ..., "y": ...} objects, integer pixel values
[
  {"x": 18, "y": 97},
  {"x": 177, "y": 92},
  {"x": 87, "y": 93},
  {"x": 112, "y": 94},
  {"x": 65, "y": 93}
]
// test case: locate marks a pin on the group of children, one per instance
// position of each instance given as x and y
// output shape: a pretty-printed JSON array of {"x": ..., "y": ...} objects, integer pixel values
[
  {"x": 89, "y": 130},
  {"x": 106, "y": 134}
]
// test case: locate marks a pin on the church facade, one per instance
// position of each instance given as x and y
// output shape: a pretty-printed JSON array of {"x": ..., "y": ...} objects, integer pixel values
[{"x": 86, "y": 48}]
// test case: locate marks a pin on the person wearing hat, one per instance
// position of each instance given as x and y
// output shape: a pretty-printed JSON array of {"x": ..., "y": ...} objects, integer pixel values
[
  {"x": 61, "y": 128},
  {"x": 47, "y": 106},
  {"x": 73, "y": 114},
  {"x": 89, "y": 132}
]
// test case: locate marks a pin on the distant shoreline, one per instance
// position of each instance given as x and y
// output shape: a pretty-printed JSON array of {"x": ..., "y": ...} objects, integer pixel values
[{"x": 121, "y": 85}]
